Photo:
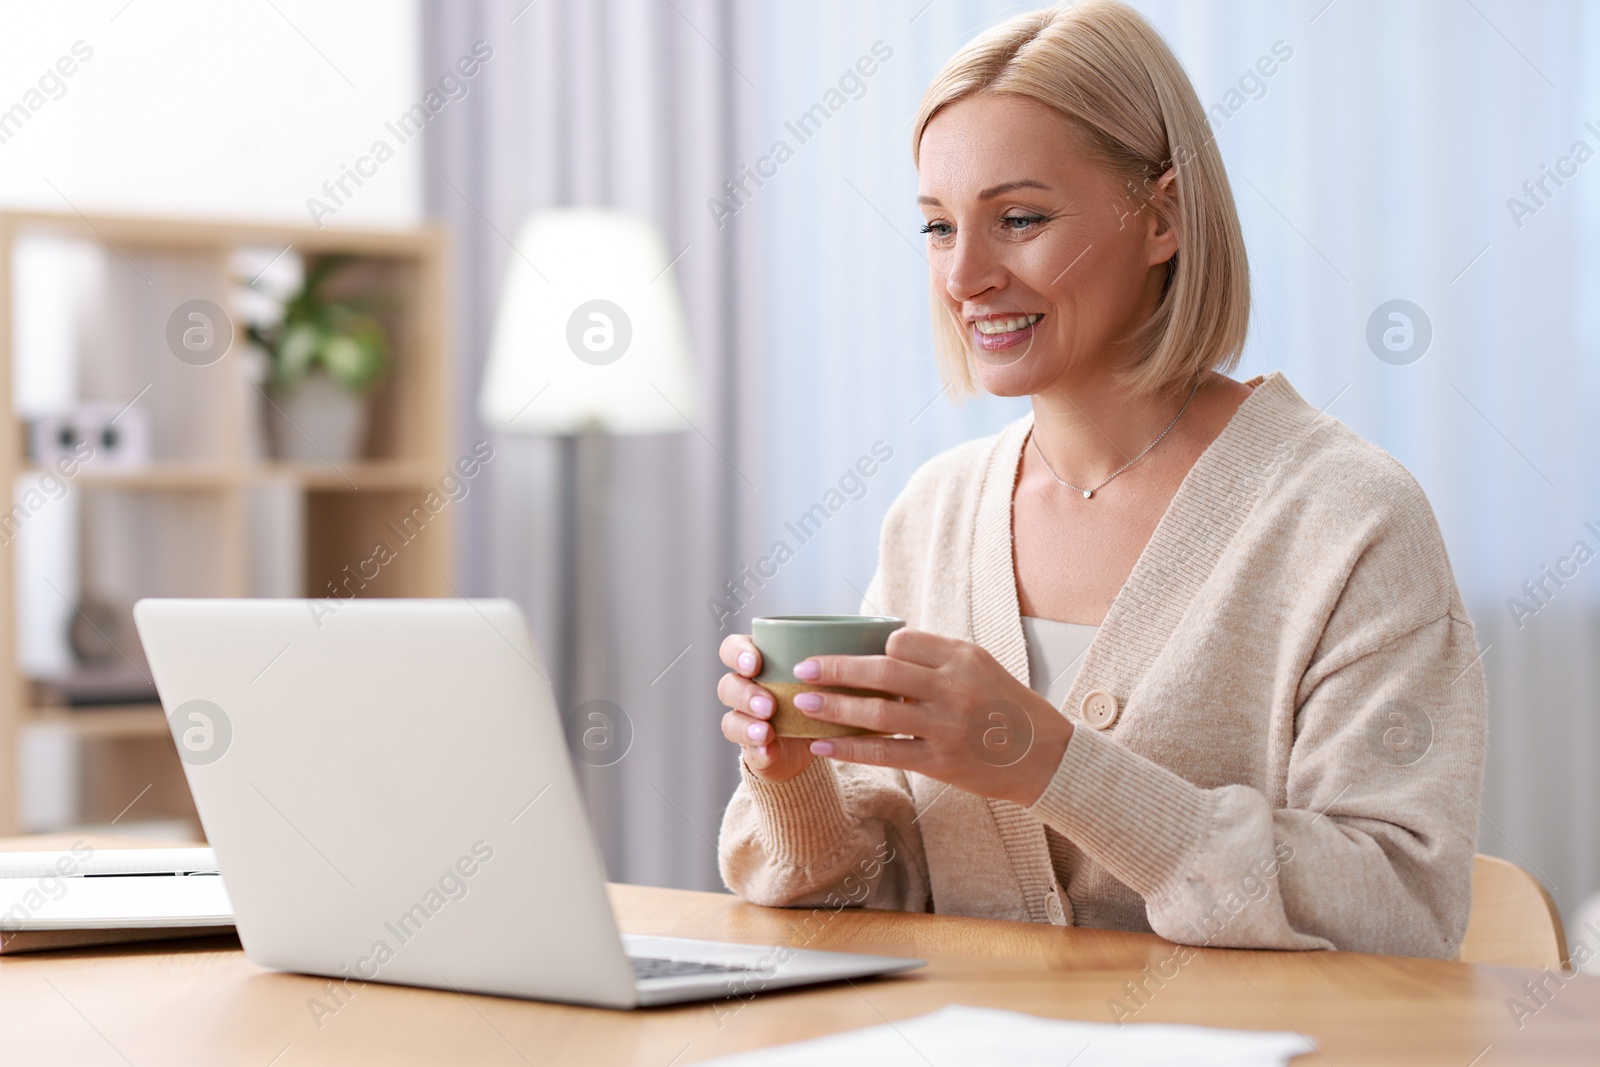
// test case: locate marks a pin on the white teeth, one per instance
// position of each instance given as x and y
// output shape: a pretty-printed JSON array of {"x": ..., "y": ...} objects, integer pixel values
[{"x": 994, "y": 326}]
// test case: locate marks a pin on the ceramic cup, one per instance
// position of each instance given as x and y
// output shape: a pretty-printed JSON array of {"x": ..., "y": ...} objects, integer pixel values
[{"x": 785, "y": 640}]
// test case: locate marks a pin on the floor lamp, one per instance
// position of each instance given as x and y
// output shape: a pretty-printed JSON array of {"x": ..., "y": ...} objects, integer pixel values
[{"x": 590, "y": 341}]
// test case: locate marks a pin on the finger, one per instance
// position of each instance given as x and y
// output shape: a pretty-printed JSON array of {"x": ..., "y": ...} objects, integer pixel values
[
  {"x": 872, "y": 672},
  {"x": 741, "y": 694},
  {"x": 780, "y": 760},
  {"x": 869, "y": 713},
  {"x": 739, "y": 653},
  {"x": 907, "y": 754},
  {"x": 923, "y": 647},
  {"x": 759, "y": 758},
  {"x": 746, "y": 730}
]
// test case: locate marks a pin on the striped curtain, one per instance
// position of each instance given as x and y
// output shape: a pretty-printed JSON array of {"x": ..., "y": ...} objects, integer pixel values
[{"x": 626, "y": 104}]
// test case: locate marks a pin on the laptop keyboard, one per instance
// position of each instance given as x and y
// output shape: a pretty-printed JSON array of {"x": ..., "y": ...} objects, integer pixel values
[{"x": 654, "y": 967}]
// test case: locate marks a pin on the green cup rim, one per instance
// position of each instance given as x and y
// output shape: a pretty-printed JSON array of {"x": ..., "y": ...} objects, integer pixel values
[{"x": 855, "y": 619}]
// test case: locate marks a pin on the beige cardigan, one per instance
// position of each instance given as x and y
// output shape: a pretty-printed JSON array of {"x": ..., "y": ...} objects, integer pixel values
[{"x": 1297, "y": 750}]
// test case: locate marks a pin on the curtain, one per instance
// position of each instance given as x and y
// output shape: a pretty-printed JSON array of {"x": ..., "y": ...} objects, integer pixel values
[
  {"x": 627, "y": 104},
  {"x": 1423, "y": 152}
]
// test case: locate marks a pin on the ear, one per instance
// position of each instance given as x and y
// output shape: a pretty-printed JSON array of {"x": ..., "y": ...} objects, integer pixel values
[{"x": 1161, "y": 233}]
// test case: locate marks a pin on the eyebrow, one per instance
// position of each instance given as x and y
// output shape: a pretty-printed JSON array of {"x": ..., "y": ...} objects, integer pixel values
[{"x": 995, "y": 190}]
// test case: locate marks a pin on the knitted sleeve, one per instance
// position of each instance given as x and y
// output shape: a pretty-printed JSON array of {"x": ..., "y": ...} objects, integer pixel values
[{"x": 836, "y": 835}]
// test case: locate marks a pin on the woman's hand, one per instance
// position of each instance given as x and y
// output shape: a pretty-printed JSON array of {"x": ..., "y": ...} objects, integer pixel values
[
  {"x": 777, "y": 759},
  {"x": 972, "y": 724}
]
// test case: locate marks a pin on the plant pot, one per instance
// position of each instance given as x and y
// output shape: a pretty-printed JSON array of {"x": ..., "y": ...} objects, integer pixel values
[{"x": 316, "y": 420}]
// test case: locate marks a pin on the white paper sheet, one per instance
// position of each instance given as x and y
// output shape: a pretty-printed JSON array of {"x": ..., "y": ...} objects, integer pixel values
[{"x": 961, "y": 1036}]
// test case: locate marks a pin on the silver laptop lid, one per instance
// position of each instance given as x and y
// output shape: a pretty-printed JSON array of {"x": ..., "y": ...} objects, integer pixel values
[{"x": 388, "y": 792}]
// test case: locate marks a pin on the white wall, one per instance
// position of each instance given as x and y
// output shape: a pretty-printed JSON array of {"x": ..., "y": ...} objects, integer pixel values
[
  {"x": 200, "y": 108},
  {"x": 196, "y": 109}
]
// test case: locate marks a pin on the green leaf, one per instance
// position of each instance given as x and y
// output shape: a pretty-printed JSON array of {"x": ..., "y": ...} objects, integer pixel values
[
  {"x": 339, "y": 337},
  {"x": 297, "y": 351},
  {"x": 344, "y": 360}
]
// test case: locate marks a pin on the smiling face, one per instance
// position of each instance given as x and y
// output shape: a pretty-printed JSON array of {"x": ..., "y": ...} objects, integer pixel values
[{"x": 1042, "y": 255}]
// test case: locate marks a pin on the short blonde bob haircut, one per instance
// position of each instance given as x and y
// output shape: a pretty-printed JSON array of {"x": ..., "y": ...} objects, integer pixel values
[{"x": 1104, "y": 68}]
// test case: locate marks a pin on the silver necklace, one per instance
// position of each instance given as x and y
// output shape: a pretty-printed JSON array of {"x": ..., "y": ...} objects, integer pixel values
[{"x": 1087, "y": 493}]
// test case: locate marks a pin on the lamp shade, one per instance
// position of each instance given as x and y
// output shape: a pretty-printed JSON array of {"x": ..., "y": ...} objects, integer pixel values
[{"x": 590, "y": 331}]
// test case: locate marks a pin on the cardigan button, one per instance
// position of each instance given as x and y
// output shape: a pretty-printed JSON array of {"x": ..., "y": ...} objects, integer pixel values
[
  {"x": 1100, "y": 709},
  {"x": 1053, "y": 908}
]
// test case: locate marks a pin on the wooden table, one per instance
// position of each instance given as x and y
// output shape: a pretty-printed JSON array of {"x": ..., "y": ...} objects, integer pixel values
[{"x": 202, "y": 1002}]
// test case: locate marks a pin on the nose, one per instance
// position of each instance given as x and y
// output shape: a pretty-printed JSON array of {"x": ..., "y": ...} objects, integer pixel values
[{"x": 972, "y": 269}]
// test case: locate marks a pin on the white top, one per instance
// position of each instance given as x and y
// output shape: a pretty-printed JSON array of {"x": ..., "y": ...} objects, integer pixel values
[{"x": 1055, "y": 651}]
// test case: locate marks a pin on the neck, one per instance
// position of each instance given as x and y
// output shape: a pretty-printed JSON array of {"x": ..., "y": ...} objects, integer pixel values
[{"x": 1089, "y": 426}]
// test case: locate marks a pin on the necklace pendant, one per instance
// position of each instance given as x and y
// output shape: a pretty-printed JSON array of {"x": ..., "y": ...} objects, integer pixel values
[{"x": 1087, "y": 493}]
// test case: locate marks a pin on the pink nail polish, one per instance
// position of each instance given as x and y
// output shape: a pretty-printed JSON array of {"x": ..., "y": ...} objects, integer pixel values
[
  {"x": 761, "y": 706},
  {"x": 808, "y": 701},
  {"x": 822, "y": 748},
  {"x": 758, "y": 731},
  {"x": 747, "y": 662},
  {"x": 808, "y": 670}
]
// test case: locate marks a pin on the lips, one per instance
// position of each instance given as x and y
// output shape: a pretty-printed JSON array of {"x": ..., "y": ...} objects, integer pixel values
[{"x": 995, "y": 332}]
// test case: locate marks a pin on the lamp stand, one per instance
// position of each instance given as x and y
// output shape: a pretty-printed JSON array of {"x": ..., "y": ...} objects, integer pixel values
[{"x": 587, "y": 651}]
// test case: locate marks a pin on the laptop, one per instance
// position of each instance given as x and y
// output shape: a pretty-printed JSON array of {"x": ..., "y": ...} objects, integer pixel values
[{"x": 387, "y": 787}]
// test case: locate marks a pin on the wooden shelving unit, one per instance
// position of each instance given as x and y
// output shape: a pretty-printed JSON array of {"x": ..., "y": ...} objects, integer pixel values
[{"x": 184, "y": 518}]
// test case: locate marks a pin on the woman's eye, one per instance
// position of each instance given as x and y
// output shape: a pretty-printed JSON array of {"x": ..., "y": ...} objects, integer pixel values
[
  {"x": 937, "y": 229},
  {"x": 1020, "y": 223}
]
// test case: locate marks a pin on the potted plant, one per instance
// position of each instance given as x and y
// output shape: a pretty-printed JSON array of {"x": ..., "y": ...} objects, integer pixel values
[{"x": 325, "y": 356}]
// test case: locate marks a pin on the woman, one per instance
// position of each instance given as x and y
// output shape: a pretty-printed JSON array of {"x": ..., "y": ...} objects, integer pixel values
[{"x": 1236, "y": 694}]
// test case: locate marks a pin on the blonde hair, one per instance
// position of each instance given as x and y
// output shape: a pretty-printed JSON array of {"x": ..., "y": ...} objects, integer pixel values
[{"x": 1105, "y": 69}]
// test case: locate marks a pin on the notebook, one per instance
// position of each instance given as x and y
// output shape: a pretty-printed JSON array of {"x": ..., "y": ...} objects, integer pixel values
[{"x": 89, "y": 896}]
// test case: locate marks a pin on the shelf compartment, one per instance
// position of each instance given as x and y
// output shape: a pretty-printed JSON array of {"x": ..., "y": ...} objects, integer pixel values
[
  {"x": 370, "y": 475},
  {"x": 159, "y": 477},
  {"x": 381, "y": 544},
  {"x": 209, "y": 515},
  {"x": 108, "y": 720},
  {"x": 360, "y": 476}
]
